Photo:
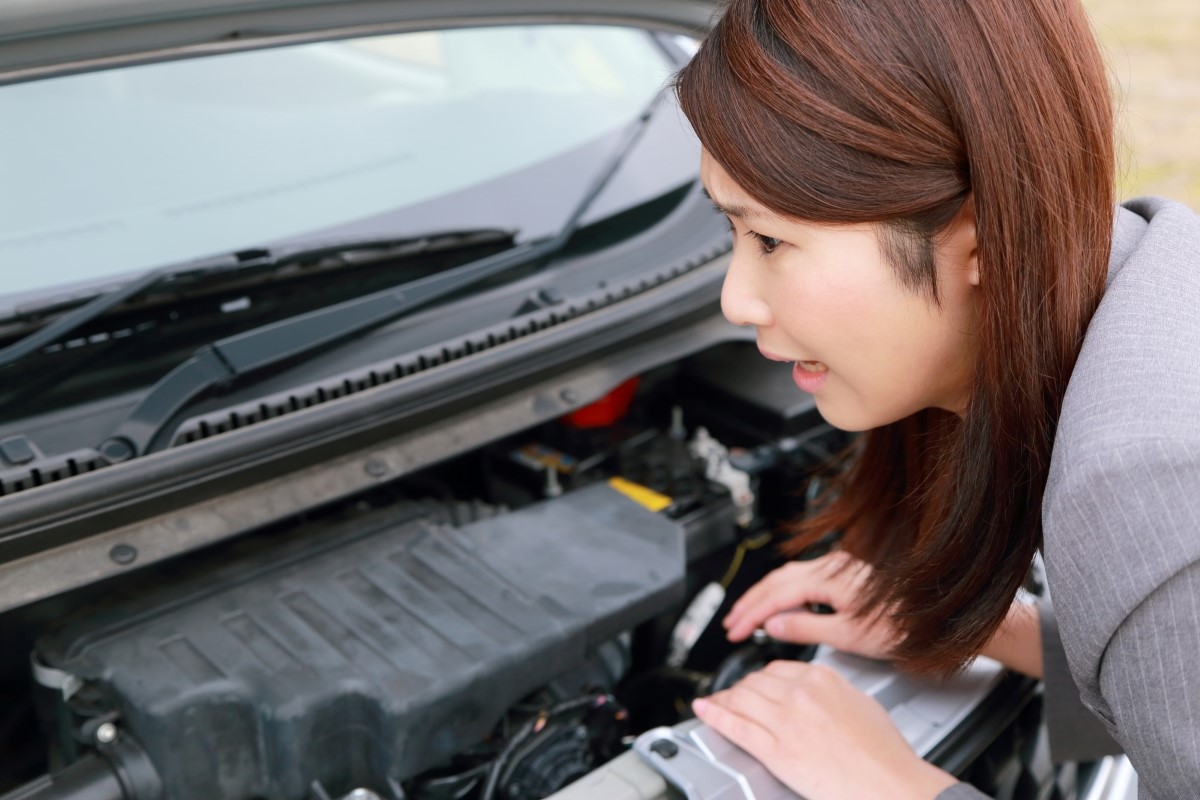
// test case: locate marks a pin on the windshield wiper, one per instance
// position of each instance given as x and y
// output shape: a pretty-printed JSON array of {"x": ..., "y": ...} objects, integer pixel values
[
  {"x": 240, "y": 265},
  {"x": 223, "y": 362}
]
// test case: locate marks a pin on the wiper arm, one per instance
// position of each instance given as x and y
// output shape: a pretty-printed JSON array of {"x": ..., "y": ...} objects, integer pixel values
[
  {"x": 223, "y": 362},
  {"x": 241, "y": 264}
]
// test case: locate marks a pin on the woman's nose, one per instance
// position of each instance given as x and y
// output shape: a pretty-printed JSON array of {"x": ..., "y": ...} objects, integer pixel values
[{"x": 741, "y": 301}]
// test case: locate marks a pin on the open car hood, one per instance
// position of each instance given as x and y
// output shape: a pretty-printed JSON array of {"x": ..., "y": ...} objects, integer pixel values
[{"x": 41, "y": 38}]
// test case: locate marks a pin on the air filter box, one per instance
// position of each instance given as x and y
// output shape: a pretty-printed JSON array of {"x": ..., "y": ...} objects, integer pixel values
[{"x": 376, "y": 655}]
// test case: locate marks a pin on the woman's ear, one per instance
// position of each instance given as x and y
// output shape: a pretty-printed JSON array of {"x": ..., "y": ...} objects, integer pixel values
[{"x": 961, "y": 244}]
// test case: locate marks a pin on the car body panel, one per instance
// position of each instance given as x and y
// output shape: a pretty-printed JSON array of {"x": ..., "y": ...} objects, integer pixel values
[{"x": 59, "y": 37}]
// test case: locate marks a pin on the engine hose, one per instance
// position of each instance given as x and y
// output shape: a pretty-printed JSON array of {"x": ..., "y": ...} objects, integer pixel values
[
  {"x": 753, "y": 657},
  {"x": 90, "y": 778},
  {"x": 737, "y": 665},
  {"x": 120, "y": 771}
]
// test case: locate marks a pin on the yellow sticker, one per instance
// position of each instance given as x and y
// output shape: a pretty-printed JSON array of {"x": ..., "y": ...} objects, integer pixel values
[{"x": 640, "y": 494}]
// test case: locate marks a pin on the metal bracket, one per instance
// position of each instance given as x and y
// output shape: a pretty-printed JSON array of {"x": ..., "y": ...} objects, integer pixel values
[{"x": 704, "y": 766}]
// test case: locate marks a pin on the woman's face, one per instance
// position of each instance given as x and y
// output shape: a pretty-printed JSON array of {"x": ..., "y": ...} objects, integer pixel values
[{"x": 870, "y": 350}]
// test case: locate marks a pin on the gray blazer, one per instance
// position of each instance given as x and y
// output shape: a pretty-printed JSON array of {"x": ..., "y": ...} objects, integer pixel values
[{"x": 1122, "y": 516}]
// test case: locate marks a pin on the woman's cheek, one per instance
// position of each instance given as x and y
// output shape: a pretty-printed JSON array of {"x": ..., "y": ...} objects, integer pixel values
[{"x": 868, "y": 387}]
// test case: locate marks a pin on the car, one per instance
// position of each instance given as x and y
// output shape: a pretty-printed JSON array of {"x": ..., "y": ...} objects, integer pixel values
[{"x": 369, "y": 425}]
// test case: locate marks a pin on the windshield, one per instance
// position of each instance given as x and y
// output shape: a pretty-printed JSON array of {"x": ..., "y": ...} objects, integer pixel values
[{"x": 111, "y": 173}]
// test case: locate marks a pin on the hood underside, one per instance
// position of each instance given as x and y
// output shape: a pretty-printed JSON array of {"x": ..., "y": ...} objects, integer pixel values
[{"x": 43, "y": 38}]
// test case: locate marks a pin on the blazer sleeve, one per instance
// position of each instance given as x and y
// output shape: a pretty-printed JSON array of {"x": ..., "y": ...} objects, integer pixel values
[
  {"x": 1126, "y": 588},
  {"x": 1148, "y": 681},
  {"x": 1075, "y": 733}
]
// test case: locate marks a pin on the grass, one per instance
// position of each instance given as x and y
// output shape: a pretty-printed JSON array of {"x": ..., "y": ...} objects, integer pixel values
[{"x": 1153, "y": 50}]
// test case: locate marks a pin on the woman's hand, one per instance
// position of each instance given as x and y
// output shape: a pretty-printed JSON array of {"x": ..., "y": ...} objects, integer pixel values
[
  {"x": 779, "y": 601},
  {"x": 1018, "y": 642},
  {"x": 820, "y": 735}
]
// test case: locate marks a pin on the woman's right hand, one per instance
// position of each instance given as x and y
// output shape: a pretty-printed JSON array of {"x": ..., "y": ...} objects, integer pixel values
[{"x": 780, "y": 604}]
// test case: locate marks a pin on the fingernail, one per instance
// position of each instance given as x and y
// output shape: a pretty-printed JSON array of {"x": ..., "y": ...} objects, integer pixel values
[
  {"x": 700, "y": 706},
  {"x": 774, "y": 627}
]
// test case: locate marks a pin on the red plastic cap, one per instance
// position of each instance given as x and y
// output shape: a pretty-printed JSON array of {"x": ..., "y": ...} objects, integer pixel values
[{"x": 608, "y": 410}]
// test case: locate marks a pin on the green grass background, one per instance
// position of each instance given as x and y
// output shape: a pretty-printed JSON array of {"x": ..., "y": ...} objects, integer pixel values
[{"x": 1153, "y": 51}]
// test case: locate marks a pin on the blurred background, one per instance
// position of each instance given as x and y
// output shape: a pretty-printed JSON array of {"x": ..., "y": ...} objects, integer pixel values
[{"x": 1153, "y": 50}]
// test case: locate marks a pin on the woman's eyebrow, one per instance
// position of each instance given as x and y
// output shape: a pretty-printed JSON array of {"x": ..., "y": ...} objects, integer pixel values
[{"x": 732, "y": 209}]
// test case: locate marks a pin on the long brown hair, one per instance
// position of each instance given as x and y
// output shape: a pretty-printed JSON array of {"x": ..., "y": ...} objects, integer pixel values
[{"x": 897, "y": 112}]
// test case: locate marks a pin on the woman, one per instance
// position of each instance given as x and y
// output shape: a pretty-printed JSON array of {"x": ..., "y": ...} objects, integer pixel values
[{"x": 921, "y": 198}]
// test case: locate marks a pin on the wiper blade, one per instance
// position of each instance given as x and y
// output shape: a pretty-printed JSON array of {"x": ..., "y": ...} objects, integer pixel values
[
  {"x": 225, "y": 361},
  {"x": 242, "y": 264}
]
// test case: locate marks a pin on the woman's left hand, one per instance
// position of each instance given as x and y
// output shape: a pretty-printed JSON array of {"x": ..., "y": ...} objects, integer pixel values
[{"x": 818, "y": 734}]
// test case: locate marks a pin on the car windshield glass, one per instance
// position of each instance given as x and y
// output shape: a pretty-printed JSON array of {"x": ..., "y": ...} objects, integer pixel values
[{"x": 111, "y": 173}]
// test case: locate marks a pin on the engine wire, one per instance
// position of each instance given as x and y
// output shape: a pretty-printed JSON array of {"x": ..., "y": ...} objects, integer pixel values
[
  {"x": 533, "y": 727},
  {"x": 739, "y": 555}
]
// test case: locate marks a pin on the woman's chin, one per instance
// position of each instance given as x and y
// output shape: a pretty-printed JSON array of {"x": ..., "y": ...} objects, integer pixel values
[
  {"x": 850, "y": 416},
  {"x": 839, "y": 417}
]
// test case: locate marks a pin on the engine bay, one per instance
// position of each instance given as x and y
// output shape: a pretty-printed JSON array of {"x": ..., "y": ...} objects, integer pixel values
[{"x": 494, "y": 627}]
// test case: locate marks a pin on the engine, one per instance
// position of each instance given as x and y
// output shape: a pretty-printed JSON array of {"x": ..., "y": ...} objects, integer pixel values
[{"x": 493, "y": 628}]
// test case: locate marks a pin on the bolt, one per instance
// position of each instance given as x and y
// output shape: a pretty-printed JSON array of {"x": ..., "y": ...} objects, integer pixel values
[
  {"x": 116, "y": 450},
  {"x": 123, "y": 554},
  {"x": 665, "y": 748},
  {"x": 376, "y": 468},
  {"x": 362, "y": 794},
  {"x": 569, "y": 396},
  {"x": 106, "y": 733}
]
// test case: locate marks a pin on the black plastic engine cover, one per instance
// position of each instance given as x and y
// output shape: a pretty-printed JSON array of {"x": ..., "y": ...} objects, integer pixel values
[{"x": 377, "y": 658}]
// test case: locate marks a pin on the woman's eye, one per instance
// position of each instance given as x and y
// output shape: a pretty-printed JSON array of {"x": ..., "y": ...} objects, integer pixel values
[{"x": 766, "y": 244}]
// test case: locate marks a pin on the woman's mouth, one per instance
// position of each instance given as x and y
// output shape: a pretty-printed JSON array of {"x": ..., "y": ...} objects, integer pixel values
[{"x": 810, "y": 375}]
